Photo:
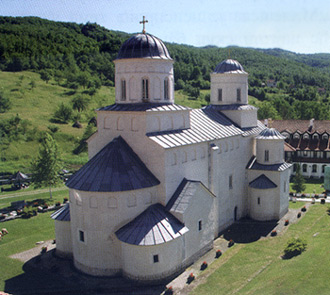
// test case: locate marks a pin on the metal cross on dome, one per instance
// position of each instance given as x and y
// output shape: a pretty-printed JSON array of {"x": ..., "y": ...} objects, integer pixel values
[{"x": 144, "y": 21}]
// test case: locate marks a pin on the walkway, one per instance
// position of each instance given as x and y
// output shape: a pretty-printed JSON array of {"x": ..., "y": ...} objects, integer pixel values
[{"x": 33, "y": 192}]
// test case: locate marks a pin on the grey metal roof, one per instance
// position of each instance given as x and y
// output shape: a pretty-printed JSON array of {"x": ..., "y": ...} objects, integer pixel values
[
  {"x": 115, "y": 168},
  {"x": 253, "y": 130},
  {"x": 152, "y": 227},
  {"x": 229, "y": 66},
  {"x": 63, "y": 214},
  {"x": 232, "y": 107},
  {"x": 143, "y": 107},
  {"x": 254, "y": 165},
  {"x": 262, "y": 182},
  {"x": 182, "y": 196},
  {"x": 270, "y": 133},
  {"x": 143, "y": 46},
  {"x": 205, "y": 125}
]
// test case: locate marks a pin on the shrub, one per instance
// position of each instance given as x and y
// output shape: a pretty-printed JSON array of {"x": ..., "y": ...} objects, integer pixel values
[
  {"x": 43, "y": 250},
  {"x": 57, "y": 204},
  {"x": 168, "y": 291},
  {"x": 273, "y": 233},
  {"x": 294, "y": 247},
  {"x": 322, "y": 201},
  {"x": 190, "y": 278},
  {"x": 65, "y": 200},
  {"x": 286, "y": 222},
  {"x": 299, "y": 215},
  {"x": 231, "y": 243},
  {"x": 204, "y": 265},
  {"x": 303, "y": 209},
  {"x": 63, "y": 114},
  {"x": 218, "y": 253}
]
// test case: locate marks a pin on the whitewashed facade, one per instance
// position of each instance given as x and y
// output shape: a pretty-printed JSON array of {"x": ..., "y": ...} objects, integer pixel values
[{"x": 163, "y": 180}]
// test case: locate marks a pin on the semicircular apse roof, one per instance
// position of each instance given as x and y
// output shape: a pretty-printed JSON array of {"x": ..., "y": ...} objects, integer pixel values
[{"x": 113, "y": 169}]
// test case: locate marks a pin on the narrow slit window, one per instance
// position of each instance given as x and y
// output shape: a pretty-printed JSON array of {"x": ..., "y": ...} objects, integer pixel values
[
  {"x": 166, "y": 90},
  {"x": 258, "y": 201},
  {"x": 145, "y": 89},
  {"x": 266, "y": 155},
  {"x": 220, "y": 94},
  {"x": 238, "y": 94},
  {"x": 156, "y": 258},
  {"x": 81, "y": 236},
  {"x": 230, "y": 181},
  {"x": 200, "y": 225},
  {"x": 123, "y": 89}
]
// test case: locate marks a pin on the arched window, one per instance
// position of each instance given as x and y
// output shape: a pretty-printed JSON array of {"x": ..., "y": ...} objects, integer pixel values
[
  {"x": 323, "y": 168},
  {"x": 123, "y": 90},
  {"x": 145, "y": 89},
  {"x": 166, "y": 89}
]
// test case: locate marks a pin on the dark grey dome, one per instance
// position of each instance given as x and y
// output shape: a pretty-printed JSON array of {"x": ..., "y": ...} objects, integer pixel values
[
  {"x": 270, "y": 133},
  {"x": 143, "y": 46},
  {"x": 229, "y": 66}
]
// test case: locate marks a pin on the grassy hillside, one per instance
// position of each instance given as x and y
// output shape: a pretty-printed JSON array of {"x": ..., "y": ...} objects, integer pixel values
[{"x": 35, "y": 107}]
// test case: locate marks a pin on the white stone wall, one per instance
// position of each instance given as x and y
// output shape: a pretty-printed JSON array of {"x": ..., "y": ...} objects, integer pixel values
[
  {"x": 313, "y": 170},
  {"x": 229, "y": 83},
  {"x": 243, "y": 118},
  {"x": 98, "y": 216},
  {"x": 274, "y": 203},
  {"x": 275, "y": 148},
  {"x": 63, "y": 238},
  {"x": 138, "y": 261},
  {"x": 134, "y": 70},
  {"x": 200, "y": 219}
]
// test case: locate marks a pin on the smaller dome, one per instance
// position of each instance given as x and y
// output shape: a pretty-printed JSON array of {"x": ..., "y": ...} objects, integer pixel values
[
  {"x": 143, "y": 46},
  {"x": 229, "y": 66},
  {"x": 270, "y": 133}
]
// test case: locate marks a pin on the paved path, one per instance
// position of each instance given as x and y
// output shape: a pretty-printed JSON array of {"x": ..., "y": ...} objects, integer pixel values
[{"x": 33, "y": 192}]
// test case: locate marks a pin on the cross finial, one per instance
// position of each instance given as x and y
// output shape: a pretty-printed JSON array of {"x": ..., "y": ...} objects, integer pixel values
[{"x": 144, "y": 21}]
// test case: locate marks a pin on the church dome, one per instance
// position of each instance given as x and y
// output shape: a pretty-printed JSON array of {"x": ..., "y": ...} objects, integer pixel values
[
  {"x": 229, "y": 66},
  {"x": 270, "y": 133},
  {"x": 143, "y": 46}
]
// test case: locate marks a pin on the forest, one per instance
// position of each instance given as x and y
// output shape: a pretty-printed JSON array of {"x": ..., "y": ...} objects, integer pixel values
[{"x": 77, "y": 55}]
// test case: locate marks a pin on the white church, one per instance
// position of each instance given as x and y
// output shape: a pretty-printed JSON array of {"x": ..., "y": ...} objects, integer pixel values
[{"x": 163, "y": 180}]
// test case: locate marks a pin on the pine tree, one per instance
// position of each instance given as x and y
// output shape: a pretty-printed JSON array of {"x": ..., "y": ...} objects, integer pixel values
[
  {"x": 298, "y": 181},
  {"x": 46, "y": 166}
]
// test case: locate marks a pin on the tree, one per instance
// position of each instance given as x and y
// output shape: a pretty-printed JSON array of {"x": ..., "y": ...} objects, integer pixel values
[
  {"x": 45, "y": 75},
  {"x": 46, "y": 166},
  {"x": 63, "y": 114},
  {"x": 298, "y": 180},
  {"x": 4, "y": 103},
  {"x": 80, "y": 103}
]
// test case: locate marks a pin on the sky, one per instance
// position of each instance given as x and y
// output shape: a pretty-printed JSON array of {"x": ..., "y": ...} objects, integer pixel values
[{"x": 301, "y": 26}]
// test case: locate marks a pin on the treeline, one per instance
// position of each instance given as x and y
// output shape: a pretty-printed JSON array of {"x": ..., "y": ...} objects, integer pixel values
[{"x": 82, "y": 55}]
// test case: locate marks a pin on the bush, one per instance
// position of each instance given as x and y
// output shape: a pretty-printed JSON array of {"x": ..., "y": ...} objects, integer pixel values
[
  {"x": 63, "y": 114},
  {"x": 294, "y": 247},
  {"x": 299, "y": 215},
  {"x": 204, "y": 265},
  {"x": 286, "y": 222},
  {"x": 303, "y": 209},
  {"x": 218, "y": 253},
  {"x": 323, "y": 201},
  {"x": 273, "y": 233},
  {"x": 231, "y": 243}
]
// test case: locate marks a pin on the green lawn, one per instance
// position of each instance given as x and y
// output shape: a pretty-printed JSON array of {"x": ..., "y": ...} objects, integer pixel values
[
  {"x": 257, "y": 268},
  {"x": 23, "y": 235},
  {"x": 312, "y": 186}
]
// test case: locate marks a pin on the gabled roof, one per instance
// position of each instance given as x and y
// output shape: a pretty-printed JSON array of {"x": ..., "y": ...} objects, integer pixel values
[
  {"x": 205, "y": 125},
  {"x": 291, "y": 126},
  {"x": 62, "y": 214},
  {"x": 115, "y": 168},
  {"x": 152, "y": 227},
  {"x": 183, "y": 194},
  {"x": 262, "y": 182}
]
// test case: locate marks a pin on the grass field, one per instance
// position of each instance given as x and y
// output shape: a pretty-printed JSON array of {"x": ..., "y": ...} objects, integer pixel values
[{"x": 257, "y": 268}]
